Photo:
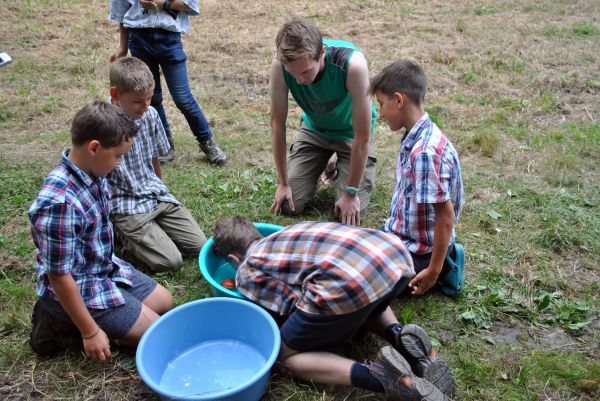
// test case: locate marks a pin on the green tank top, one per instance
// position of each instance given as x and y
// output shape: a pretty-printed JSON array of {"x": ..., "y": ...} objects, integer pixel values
[{"x": 327, "y": 104}]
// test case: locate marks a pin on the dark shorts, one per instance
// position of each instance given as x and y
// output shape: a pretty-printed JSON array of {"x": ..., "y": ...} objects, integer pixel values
[
  {"x": 303, "y": 332},
  {"x": 421, "y": 262},
  {"x": 117, "y": 321}
]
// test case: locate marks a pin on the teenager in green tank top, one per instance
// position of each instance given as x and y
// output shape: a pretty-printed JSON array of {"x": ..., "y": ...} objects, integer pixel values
[{"x": 329, "y": 80}]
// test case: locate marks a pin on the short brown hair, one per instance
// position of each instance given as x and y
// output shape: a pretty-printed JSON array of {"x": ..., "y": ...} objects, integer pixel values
[
  {"x": 103, "y": 122},
  {"x": 130, "y": 74},
  {"x": 233, "y": 235},
  {"x": 401, "y": 76},
  {"x": 298, "y": 38}
]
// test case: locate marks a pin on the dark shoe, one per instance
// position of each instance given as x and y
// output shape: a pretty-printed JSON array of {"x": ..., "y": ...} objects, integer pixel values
[
  {"x": 213, "y": 152},
  {"x": 453, "y": 282},
  {"x": 414, "y": 344},
  {"x": 398, "y": 380},
  {"x": 49, "y": 334},
  {"x": 168, "y": 158}
]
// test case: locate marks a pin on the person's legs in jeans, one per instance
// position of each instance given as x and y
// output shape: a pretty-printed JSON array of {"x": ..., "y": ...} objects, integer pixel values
[
  {"x": 172, "y": 59},
  {"x": 141, "y": 46}
]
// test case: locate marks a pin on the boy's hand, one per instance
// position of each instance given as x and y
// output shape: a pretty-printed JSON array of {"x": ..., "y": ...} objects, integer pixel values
[
  {"x": 118, "y": 54},
  {"x": 283, "y": 193},
  {"x": 97, "y": 347},
  {"x": 423, "y": 282},
  {"x": 152, "y": 5}
]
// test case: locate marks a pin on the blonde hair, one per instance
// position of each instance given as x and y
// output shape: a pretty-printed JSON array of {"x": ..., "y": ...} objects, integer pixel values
[
  {"x": 296, "y": 39},
  {"x": 130, "y": 74}
]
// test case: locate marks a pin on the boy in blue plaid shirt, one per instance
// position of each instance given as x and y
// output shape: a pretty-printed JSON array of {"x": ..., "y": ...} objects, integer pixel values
[
  {"x": 429, "y": 193},
  {"x": 323, "y": 283},
  {"x": 150, "y": 222},
  {"x": 87, "y": 295}
]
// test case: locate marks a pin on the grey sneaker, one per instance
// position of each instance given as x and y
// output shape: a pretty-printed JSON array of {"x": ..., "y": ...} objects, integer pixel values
[
  {"x": 414, "y": 344},
  {"x": 213, "y": 152},
  {"x": 398, "y": 380},
  {"x": 168, "y": 158}
]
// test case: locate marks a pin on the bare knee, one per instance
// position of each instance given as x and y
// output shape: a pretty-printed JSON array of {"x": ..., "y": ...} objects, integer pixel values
[{"x": 160, "y": 300}]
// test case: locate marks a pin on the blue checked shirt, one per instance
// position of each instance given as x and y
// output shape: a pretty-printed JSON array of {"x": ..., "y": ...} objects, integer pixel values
[
  {"x": 322, "y": 268},
  {"x": 131, "y": 14},
  {"x": 135, "y": 186},
  {"x": 73, "y": 235},
  {"x": 427, "y": 172}
]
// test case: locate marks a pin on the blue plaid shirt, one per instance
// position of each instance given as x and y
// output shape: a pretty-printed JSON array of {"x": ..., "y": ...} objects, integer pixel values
[
  {"x": 135, "y": 186},
  {"x": 73, "y": 235},
  {"x": 322, "y": 268},
  {"x": 427, "y": 172},
  {"x": 131, "y": 14}
]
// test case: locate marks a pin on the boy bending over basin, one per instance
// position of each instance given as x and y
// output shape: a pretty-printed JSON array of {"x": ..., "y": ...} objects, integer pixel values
[{"x": 324, "y": 282}]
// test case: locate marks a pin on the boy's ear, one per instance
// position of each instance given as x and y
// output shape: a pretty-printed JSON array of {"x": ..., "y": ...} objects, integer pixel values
[
  {"x": 114, "y": 93},
  {"x": 234, "y": 257},
  {"x": 399, "y": 98},
  {"x": 93, "y": 146}
]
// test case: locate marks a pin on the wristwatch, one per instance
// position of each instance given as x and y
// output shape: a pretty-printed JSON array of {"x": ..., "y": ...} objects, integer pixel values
[{"x": 351, "y": 190}]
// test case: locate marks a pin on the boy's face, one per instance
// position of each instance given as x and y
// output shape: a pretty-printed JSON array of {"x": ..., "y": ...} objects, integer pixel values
[
  {"x": 134, "y": 103},
  {"x": 104, "y": 160},
  {"x": 391, "y": 110},
  {"x": 305, "y": 69}
]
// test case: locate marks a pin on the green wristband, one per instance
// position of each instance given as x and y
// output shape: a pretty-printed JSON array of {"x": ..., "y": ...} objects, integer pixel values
[{"x": 351, "y": 190}]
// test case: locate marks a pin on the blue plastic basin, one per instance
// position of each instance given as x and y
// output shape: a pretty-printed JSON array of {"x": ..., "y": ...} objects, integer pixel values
[
  {"x": 215, "y": 269},
  {"x": 211, "y": 349}
]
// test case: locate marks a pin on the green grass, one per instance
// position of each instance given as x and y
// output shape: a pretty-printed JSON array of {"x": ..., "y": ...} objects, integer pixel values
[{"x": 520, "y": 105}]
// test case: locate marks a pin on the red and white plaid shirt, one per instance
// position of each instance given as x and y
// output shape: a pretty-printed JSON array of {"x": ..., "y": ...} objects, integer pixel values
[
  {"x": 322, "y": 268},
  {"x": 427, "y": 172}
]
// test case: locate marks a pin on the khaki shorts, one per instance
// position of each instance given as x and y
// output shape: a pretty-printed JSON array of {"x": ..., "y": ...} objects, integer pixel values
[
  {"x": 308, "y": 158},
  {"x": 158, "y": 239}
]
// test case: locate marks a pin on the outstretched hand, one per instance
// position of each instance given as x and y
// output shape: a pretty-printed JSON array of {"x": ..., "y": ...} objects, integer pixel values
[
  {"x": 423, "y": 282},
  {"x": 283, "y": 193},
  {"x": 347, "y": 209},
  {"x": 97, "y": 347},
  {"x": 117, "y": 55}
]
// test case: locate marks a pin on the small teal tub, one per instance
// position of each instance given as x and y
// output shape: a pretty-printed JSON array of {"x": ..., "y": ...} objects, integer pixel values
[
  {"x": 215, "y": 269},
  {"x": 211, "y": 349}
]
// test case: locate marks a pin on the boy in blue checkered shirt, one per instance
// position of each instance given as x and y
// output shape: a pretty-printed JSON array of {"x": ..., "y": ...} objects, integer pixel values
[
  {"x": 150, "y": 222},
  {"x": 429, "y": 192},
  {"x": 87, "y": 295}
]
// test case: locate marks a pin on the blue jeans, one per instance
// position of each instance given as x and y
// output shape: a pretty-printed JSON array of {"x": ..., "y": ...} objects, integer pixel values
[{"x": 161, "y": 48}]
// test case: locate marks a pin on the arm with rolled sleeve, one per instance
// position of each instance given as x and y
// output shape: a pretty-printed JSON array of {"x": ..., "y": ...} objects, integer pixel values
[{"x": 56, "y": 230}]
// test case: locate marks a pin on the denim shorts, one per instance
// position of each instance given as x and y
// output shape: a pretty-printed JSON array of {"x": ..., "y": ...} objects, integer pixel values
[
  {"x": 117, "y": 321},
  {"x": 303, "y": 332}
]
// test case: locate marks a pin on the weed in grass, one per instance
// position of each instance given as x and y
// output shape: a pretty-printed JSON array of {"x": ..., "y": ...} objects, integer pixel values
[
  {"x": 485, "y": 142},
  {"x": 486, "y": 10},
  {"x": 583, "y": 29}
]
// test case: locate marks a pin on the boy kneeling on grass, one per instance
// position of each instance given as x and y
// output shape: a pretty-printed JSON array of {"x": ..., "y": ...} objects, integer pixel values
[
  {"x": 324, "y": 282},
  {"x": 429, "y": 192},
  {"x": 151, "y": 223},
  {"x": 87, "y": 296}
]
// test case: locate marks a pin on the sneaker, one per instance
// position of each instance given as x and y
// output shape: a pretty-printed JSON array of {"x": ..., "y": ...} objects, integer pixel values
[
  {"x": 453, "y": 282},
  {"x": 49, "y": 334},
  {"x": 414, "y": 344},
  {"x": 168, "y": 158},
  {"x": 398, "y": 380},
  {"x": 213, "y": 152}
]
